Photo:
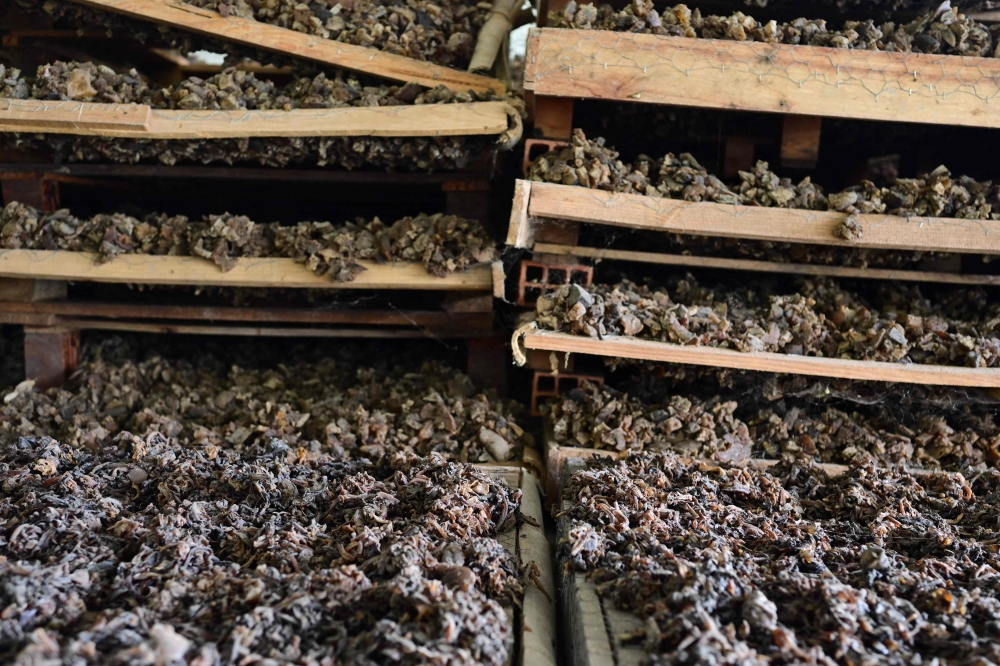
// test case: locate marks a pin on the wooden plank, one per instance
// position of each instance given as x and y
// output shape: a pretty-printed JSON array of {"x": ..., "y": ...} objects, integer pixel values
[
  {"x": 33, "y": 189},
  {"x": 499, "y": 281},
  {"x": 739, "y": 154},
  {"x": 50, "y": 355},
  {"x": 651, "y": 350},
  {"x": 585, "y": 632},
  {"x": 210, "y": 313},
  {"x": 244, "y": 331},
  {"x": 756, "y": 76},
  {"x": 638, "y": 211},
  {"x": 140, "y": 121},
  {"x": 520, "y": 232},
  {"x": 553, "y": 118},
  {"x": 602, "y": 254},
  {"x": 800, "y": 136},
  {"x": 297, "y": 44},
  {"x": 536, "y": 620},
  {"x": 263, "y": 272},
  {"x": 55, "y": 171},
  {"x": 538, "y": 627}
]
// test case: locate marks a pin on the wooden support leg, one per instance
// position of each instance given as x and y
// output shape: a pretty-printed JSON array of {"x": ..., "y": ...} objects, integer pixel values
[
  {"x": 31, "y": 189},
  {"x": 50, "y": 355},
  {"x": 553, "y": 117},
  {"x": 800, "y": 141},
  {"x": 488, "y": 364},
  {"x": 469, "y": 199},
  {"x": 739, "y": 155}
]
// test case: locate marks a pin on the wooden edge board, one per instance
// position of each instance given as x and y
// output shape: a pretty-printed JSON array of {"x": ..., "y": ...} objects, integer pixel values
[
  {"x": 184, "y": 328},
  {"x": 604, "y": 254},
  {"x": 538, "y": 635},
  {"x": 291, "y": 43},
  {"x": 224, "y": 313},
  {"x": 756, "y": 76},
  {"x": 259, "y": 272},
  {"x": 138, "y": 121},
  {"x": 499, "y": 280},
  {"x": 586, "y": 637},
  {"x": 652, "y": 350},
  {"x": 558, "y": 456},
  {"x": 639, "y": 211},
  {"x": 536, "y": 623},
  {"x": 520, "y": 232}
]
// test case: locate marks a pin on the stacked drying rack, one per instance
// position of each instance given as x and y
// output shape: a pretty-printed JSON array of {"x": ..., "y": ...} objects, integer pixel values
[
  {"x": 804, "y": 83},
  {"x": 34, "y": 283}
]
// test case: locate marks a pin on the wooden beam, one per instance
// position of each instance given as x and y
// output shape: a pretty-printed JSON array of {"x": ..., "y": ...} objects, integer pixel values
[
  {"x": 50, "y": 171},
  {"x": 800, "y": 137},
  {"x": 33, "y": 189},
  {"x": 487, "y": 364},
  {"x": 263, "y": 331},
  {"x": 638, "y": 211},
  {"x": 755, "y": 76},
  {"x": 50, "y": 355},
  {"x": 651, "y": 350},
  {"x": 719, "y": 263},
  {"x": 520, "y": 231},
  {"x": 738, "y": 156},
  {"x": 291, "y": 43},
  {"x": 142, "y": 122},
  {"x": 553, "y": 118},
  {"x": 274, "y": 315},
  {"x": 262, "y": 272}
]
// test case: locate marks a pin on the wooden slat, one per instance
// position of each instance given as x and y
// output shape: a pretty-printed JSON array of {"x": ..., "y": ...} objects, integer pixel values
[
  {"x": 194, "y": 271},
  {"x": 800, "y": 137},
  {"x": 603, "y": 254},
  {"x": 638, "y": 211},
  {"x": 464, "y": 178},
  {"x": 755, "y": 76},
  {"x": 519, "y": 231},
  {"x": 297, "y": 44},
  {"x": 274, "y": 315},
  {"x": 140, "y": 121},
  {"x": 244, "y": 331},
  {"x": 538, "y": 637},
  {"x": 651, "y": 350},
  {"x": 537, "y": 625}
]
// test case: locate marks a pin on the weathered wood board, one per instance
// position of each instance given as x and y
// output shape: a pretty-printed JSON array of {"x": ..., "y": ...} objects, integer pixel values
[
  {"x": 652, "y": 350},
  {"x": 292, "y": 43},
  {"x": 638, "y": 211},
  {"x": 139, "y": 121},
  {"x": 756, "y": 76},
  {"x": 536, "y": 619},
  {"x": 259, "y": 272},
  {"x": 754, "y": 265}
]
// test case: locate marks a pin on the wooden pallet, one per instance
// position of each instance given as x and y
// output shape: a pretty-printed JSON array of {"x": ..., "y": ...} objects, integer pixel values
[
  {"x": 291, "y": 43},
  {"x": 535, "y": 620},
  {"x": 260, "y": 272},
  {"x": 540, "y": 207},
  {"x": 598, "y": 634},
  {"x": 790, "y": 225},
  {"x": 813, "y": 366},
  {"x": 755, "y": 76},
  {"x": 559, "y": 458},
  {"x": 84, "y": 315},
  {"x": 689, "y": 261},
  {"x": 139, "y": 121}
]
